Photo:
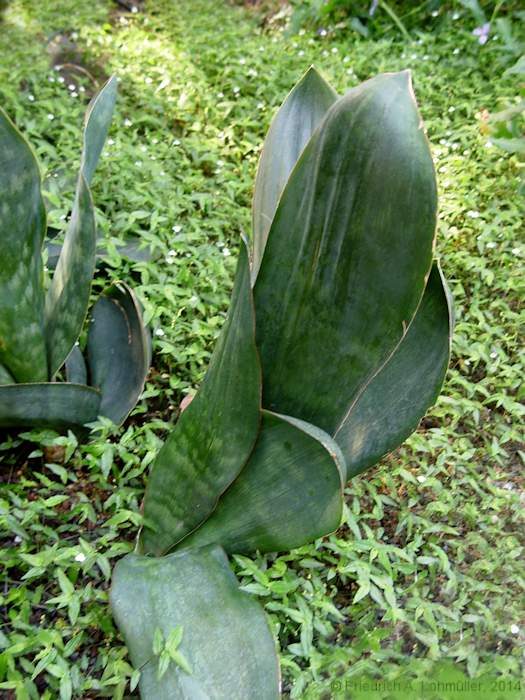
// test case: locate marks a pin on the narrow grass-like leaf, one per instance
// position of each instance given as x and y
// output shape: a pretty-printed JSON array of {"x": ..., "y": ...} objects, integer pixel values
[
  {"x": 393, "y": 403},
  {"x": 214, "y": 436},
  {"x": 289, "y": 493},
  {"x": 23, "y": 221},
  {"x": 290, "y": 131},
  {"x": 118, "y": 353},
  {"x": 53, "y": 405},
  {"x": 226, "y": 642},
  {"x": 348, "y": 254}
]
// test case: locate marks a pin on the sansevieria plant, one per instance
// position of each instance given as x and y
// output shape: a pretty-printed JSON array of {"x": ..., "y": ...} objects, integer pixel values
[
  {"x": 336, "y": 343},
  {"x": 41, "y": 320}
]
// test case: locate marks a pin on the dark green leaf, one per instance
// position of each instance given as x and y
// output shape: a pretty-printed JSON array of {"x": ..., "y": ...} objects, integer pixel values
[
  {"x": 53, "y": 405},
  {"x": 98, "y": 119},
  {"x": 289, "y": 132},
  {"x": 290, "y": 492},
  {"x": 117, "y": 350},
  {"x": 68, "y": 296},
  {"x": 348, "y": 253},
  {"x": 392, "y": 404},
  {"x": 226, "y": 642},
  {"x": 5, "y": 377},
  {"x": 76, "y": 370},
  {"x": 22, "y": 342},
  {"x": 214, "y": 436}
]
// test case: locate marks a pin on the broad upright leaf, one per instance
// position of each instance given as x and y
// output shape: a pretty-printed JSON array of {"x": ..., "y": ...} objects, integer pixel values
[
  {"x": 118, "y": 353},
  {"x": 290, "y": 131},
  {"x": 5, "y": 377},
  {"x": 97, "y": 121},
  {"x": 214, "y": 436},
  {"x": 290, "y": 492},
  {"x": 392, "y": 404},
  {"x": 68, "y": 296},
  {"x": 23, "y": 225},
  {"x": 48, "y": 405},
  {"x": 225, "y": 650},
  {"x": 348, "y": 254},
  {"x": 75, "y": 366}
]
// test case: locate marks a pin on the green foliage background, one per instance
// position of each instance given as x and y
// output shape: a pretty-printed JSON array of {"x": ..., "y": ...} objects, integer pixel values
[{"x": 429, "y": 565}]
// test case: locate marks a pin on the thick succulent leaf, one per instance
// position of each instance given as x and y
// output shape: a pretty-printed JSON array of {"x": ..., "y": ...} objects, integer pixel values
[
  {"x": 48, "y": 405},
  {"x": 67, "y": 298},
  {"x": 96, "y": 127},
  {"x": 290, "y": 131},
  {"x": 118, "y": 352},
  {"x": 214, "y": 436},
  {"x": 348, "y": 254},
  {"x": 23, "y": 221},
  {"x": 290, "y": 492},
  {"x": 5, "y": 377},
  {"x": 225, "y": 643},
  {"x": 76, "y": 370},
  {"x": 392, "y": 404}
]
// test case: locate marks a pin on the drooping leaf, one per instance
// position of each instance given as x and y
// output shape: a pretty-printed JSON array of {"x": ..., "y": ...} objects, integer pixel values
[
  {"x": 68, "y": 296},
  {"x": 48, "y": 405},
  {"x": 290, "y": 492},
  {"x": 214, "y": 436},
  {"x": 290, "y": 131},
  {"x": 225, "y": 641},
  {"x": 96, "y": 127},
  {"x": 23, "y": 221},
  {"x": 117, "y": 350},
  {"x": 348, "y": 253},
  {"x": 75, "y": 366},
  {"x": 393, "y": 403}
]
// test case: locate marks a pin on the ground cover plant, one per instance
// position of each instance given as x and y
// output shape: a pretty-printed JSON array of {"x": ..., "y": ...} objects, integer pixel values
[{"x": 428, "y": 563}]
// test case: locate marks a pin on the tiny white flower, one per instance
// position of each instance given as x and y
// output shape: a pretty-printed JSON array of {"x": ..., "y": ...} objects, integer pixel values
[
  {"x": 455, "y": 15},
  {"x": 154, "y": 140},
  {"x": 60, "y": 78},
  {"x": 226, "y": 252},
  {"x": 169, "y": 260},
  {"x": 162, "y": 173},
  {"x": 421, "y": 479},
  {"x": 489, "y": 144},
  {"x": 442, "y": 169},
  {"x": 302, "y": 32},
  {"x": 18, "y": 539},
  {"x": 74, "y": 94},
  {"x": 414, "y": 56},
  {"x": 110, "y": 142},
  {"x": 159, "y": 332},
  {"x": 516, "y": 251},
  {"x": 71, "y": 86},
  {"x": 435, "y": 13},
  {"x": 194, "y": 299},
  {"x": 138, "y": 163},
  {"x": 323, "y": 32},
  {"x": 325, "y": 53},
  {"x": 493, "y": 355},
  {"x": 260, "y": 105},
  {"x": 346, "y": 59},
  {"x": 455, "y": 52},
  {"x": 134, "y": 9},
  {"x": 176, "y": 142},
  {"x": 514, "y": 629},
  {"x": 31, "y": 98},
  {"x": 51, "y": 79},
  {"x": 236, "y": 89},
  {"x": 335, "y": 49},
  {"x": 143, "y": 149},
  {"x": 491, "y": 244},
  {"x": 80, "y": 557},
  {"x": 473, "y": 214},
  {"x": 176, "y": 229},
  {"x": 128, "y": 122},
  {"x": 301, "y": 53},
  {"x": 148, "y": 80},
  {"x": 242, "y": 61},
  {"x": 494, "y": 518},
  {"x": 50, "y": 117},
  {"x": 451, "y": 109},
  {"x": 82, "y": 89},
  {"x": 172, "y": 252}
]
